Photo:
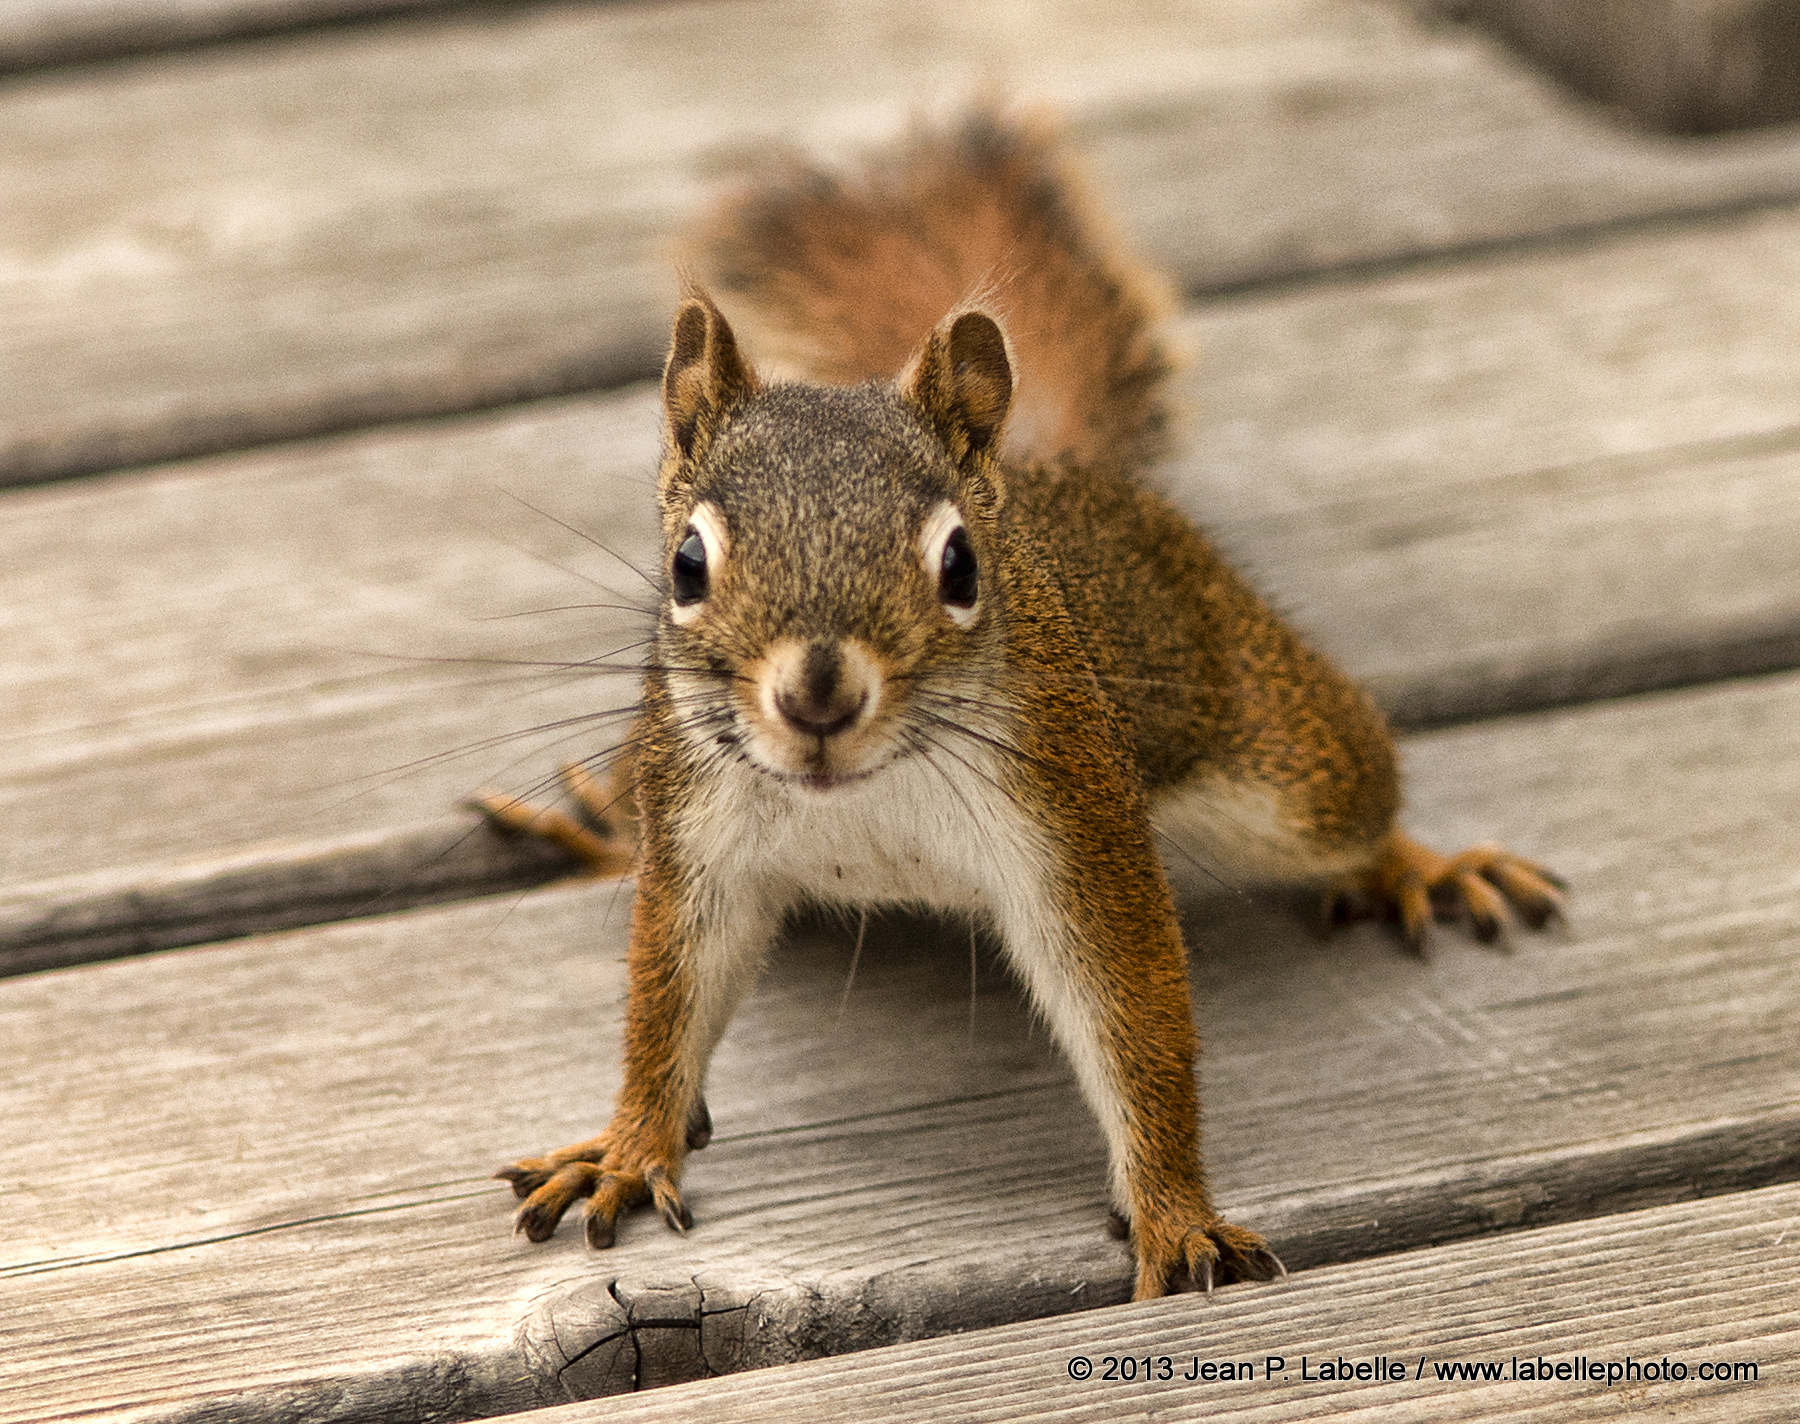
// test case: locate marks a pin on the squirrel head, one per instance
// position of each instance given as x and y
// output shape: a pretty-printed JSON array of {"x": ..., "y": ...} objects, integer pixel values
[{"x": 831, "y": 571}]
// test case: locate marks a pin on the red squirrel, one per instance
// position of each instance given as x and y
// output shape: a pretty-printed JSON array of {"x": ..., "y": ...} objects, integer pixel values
[{"x": 927, "y": 638}]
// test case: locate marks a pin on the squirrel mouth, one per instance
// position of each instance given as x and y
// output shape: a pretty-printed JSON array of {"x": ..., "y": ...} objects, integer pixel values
[
  {"x": 816, "y": 772},
  {"x": 813, "y": 763},
  {"x": 822, "y": 780}
]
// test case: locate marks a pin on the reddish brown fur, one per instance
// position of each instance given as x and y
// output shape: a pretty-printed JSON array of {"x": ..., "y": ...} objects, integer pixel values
[
  {"x": 639, "y": 1155},
  {"x": 842, "y": 279}
]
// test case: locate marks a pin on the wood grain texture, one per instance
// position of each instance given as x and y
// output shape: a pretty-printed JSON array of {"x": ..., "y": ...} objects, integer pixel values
[
  {"x": 250, "y": 692},
  {"x": 1700, "y": 1283},
  {"x": 239, "y": 244},
  {"x": 34, "y": 33},
  {"x": 1686, "y": 66},
  {"x": 203, "y": 1147}
]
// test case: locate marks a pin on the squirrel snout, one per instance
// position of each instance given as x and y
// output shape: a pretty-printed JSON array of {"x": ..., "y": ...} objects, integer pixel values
[
  {"x": 825, "y": 689},
  {"x": 817, "y": 697}
]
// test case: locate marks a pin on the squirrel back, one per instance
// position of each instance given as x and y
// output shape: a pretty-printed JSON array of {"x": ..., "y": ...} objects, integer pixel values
[{"x": 841, "y": 278}]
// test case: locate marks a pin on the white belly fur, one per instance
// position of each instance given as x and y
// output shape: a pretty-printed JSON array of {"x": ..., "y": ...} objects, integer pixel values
[{"x": 909, "y": 835}]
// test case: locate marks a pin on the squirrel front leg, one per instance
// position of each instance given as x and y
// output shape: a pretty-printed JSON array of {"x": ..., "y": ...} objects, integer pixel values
[
  {"x": 683, "y": 987},
  {"x": 1110, "y": 973}
]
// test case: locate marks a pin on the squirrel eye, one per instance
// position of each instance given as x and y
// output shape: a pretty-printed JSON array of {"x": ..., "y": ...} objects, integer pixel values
[
  {"x": 689, "y": 581},
  {"x": 956, "y": 578}
]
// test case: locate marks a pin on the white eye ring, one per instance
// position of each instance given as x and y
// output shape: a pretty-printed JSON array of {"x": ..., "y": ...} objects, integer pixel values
[
  {"x": 709, "y": 524},
  {"x": 943, "y": 521}
]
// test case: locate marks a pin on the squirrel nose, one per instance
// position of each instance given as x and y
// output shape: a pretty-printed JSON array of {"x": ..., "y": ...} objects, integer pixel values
[
  {"x": 815, "y": 720},
  {"x": 818, "y": 699}
]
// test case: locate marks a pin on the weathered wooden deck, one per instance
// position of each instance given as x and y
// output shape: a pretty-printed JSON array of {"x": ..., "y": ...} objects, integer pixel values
[{"x": 1498, "y": 395}]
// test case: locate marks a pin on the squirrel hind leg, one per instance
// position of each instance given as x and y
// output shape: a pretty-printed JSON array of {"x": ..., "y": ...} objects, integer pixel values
[
  {"x": 600, "y": 831},
  {"x": 1415, "y": 885}
]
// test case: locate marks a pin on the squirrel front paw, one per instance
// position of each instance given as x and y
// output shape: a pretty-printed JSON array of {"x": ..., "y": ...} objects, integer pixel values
[
  {"x": 612, "y": 1177},
  {"x": 1415, "y": 885},
  {"x": 1175, "y": 1255},
  {"x": 602, "y": 832}
]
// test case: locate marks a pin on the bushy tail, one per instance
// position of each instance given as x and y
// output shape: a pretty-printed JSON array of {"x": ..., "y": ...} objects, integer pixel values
[{"x": 840, "y": 278}]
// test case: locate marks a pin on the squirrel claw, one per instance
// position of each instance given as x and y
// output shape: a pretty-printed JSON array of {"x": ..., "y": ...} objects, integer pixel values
[
  {"x": 1204, "y": 1257},
  {"x": 609, "y": 1178},
  {"x": 536, "y": 1220},
  {"x": 526, "y": 1177},
  {"x": 1267, "y": 1261},
  {"x": 617, "y": 1192},
  {"x": 668, "y": 1200}
]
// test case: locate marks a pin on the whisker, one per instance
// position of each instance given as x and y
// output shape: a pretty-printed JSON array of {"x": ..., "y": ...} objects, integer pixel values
[
  {"x": 574, "y": 726},
  {"x": 543, "y": 558},
  {"x": 389, "y": 775},
  {"x": 583, "y": 534},
  {"x": 931, "y": 694},
  {"x": 1209, "y": 871},
  {"x": 546, "y": 664},
  {"x": 998, "y": 744},
  {"x": 567, "y": 608},
  {"x": 950, "y": 725},
  {"x": 972, "y": 978},
  {"x": 709, "y": 710},
  {"x": 602, "y": 760},
  {"x": 950, "y": 781},
  {"x": 862, "y": 928}
]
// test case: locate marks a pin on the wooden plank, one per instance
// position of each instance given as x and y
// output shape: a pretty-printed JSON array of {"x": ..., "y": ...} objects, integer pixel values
[
  {"x": 34, "y": 33},
  {"x": 221, "y": 723},
  {"x": 1686, "y": 66},
  {"x": 200, "y": 1148},
  {"x": 1619, "y": 387},
  {"x": 246, "y": 243},
  {"x": 1695, "y": 1286}
]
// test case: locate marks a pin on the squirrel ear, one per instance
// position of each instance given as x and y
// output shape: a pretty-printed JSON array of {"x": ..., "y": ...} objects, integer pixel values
[
  {"x": 963, "y": 383},
  {"x": 704, "y": 379}
]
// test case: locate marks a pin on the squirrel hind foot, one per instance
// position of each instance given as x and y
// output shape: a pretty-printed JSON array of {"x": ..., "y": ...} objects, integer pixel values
[
  {"x": 1414, "y": 885},
  {"x": 599, "y": 833}
]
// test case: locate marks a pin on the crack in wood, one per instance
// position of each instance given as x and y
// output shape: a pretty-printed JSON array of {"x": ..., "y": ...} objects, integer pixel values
[{"x": 40, "y": 1267}]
